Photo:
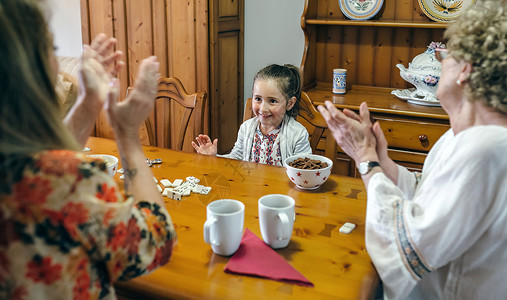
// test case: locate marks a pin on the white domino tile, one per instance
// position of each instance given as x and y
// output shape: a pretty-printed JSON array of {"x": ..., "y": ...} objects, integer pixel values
[
  {"x": 166, "y": 183},
  {"x": 347, "y": 228},
  {"x": 177, "y": 182}
]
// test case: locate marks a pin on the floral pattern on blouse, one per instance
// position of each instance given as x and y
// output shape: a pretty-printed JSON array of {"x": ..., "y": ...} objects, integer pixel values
[
  {"x": 266, "y": 148},
  {"x": 68, "y": 233}
]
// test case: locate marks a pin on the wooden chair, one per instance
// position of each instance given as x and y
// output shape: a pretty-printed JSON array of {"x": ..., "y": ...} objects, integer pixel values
[
  {"x": 308, "y": 112},
  {"x": 171, "y": 88}
]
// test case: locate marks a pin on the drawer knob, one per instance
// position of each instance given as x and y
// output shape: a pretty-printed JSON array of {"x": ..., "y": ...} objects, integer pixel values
[{"x": 424, "y": 140}]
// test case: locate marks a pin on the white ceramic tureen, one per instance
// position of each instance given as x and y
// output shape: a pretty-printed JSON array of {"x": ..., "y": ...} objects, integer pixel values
[{"x": 423, "y": 72}]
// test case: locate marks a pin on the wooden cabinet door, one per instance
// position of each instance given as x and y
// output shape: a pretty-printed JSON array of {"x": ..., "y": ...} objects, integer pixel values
[{"x": 226, "y": 70}]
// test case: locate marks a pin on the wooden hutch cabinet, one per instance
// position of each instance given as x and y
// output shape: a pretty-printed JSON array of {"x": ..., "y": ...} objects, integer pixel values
[{"x": 370, "y": 50}]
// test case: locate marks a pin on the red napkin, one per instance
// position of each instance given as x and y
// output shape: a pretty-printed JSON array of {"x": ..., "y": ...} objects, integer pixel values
[{"x": 254, "y": 257}]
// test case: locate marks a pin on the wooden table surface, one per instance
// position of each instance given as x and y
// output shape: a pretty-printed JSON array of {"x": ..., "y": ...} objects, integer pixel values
[{"x": 336, "y": 263}]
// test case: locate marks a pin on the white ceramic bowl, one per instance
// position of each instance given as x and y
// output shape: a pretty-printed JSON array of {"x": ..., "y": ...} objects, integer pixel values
[
  {"x": 111, "y": 162},
  {"x": 308, "y": 179}
]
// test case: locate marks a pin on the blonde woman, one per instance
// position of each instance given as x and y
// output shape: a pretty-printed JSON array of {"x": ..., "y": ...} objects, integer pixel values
[{"x": 67, "y": 231}]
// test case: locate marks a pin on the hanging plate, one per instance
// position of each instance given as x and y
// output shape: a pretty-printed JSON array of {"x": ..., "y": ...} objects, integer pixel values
[
  {"x": 445, "y": 10},
  {"x": 360, "y": 9}
]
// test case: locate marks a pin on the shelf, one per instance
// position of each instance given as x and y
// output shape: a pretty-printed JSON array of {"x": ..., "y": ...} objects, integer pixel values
[
  {"x": 403, "y": 24},
  {"x": 379, "y": 100}
]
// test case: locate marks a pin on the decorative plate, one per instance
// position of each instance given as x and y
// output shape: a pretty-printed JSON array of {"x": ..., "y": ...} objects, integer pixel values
[
  {"x": 360, "y": 9},
  {"x": 445, "y": 10},
  {"x": 407, "y": 95}
]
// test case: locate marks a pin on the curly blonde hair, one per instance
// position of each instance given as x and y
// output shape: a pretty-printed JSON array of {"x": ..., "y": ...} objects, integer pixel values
[{"x": 480, "y": 38}]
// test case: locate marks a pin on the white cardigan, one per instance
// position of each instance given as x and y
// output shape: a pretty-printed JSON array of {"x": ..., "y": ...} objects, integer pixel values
[{"x": 294, "y": 139}]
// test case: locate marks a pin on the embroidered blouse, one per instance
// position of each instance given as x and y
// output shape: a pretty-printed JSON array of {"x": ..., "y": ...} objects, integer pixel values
[
  {"x": 68, "y": 232},
  {"x": 445, "y": 237},
  {"x": 266, "y": 148}
]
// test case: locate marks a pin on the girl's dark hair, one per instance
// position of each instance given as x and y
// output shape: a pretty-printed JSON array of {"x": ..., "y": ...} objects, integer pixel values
[{"x": 288, "y": 80}]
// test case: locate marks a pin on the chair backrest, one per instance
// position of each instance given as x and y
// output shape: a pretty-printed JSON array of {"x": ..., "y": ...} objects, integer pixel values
[
  {"x": 171, "y": 88},
  {"x": 248, "y": 113},
  {"x": 308, "y": 112}
]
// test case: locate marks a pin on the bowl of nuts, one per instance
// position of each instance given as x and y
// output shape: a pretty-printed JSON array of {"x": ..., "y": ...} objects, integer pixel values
[{"x": 308, "y": 171}]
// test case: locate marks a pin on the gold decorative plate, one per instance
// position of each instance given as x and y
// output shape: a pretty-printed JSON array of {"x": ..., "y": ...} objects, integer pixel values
[{"x": 445, "y": 10}]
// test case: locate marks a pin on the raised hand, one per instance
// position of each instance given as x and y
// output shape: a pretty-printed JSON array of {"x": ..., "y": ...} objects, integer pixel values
[
  {"x": 204, "y": 145},
  {"x": 352, "y": 132},
  {"x": 127, "y": 116},
  {"x": 99, "y": 65}
]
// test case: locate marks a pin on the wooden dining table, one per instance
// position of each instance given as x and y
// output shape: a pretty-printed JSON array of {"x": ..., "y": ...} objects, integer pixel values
[{"x": 336, "y": 263}]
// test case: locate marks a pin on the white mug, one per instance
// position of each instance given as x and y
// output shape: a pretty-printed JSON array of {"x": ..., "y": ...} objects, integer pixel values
[
  {"x": 276, "y": 219},
  {"x": 223, "y": 228}
]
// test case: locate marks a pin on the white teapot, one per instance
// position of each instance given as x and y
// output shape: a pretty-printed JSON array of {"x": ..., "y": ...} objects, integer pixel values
[{"x": 424, "y": 73}]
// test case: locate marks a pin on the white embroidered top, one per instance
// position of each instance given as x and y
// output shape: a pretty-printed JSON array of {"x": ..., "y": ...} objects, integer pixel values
[
  {"x": 266, "y": 148},
  {"x": 445, "y": 238}
]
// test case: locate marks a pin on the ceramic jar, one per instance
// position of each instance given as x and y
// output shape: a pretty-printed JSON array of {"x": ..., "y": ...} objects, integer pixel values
[{"x": 424, "y": 73}]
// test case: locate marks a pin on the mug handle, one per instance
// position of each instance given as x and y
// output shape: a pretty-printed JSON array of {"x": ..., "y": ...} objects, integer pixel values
[
  {"x": 285, "y": 226},
  {"x": 207, "y": 232}
]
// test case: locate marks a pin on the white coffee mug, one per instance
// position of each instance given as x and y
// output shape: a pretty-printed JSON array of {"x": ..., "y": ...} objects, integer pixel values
[
  {"x": 276, "y": 219},
  {"x": 223, "y": 228}
]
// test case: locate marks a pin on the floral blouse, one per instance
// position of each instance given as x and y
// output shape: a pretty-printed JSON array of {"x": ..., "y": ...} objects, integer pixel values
[
  {"x": 68, "y": 233},
  {"x": 266, "y": 148}
]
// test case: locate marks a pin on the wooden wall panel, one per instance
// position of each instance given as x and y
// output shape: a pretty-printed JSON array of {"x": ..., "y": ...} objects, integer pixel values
[
  {"x": 366, "y": 56},
  {"x": 101, "y": 20},
  {"x": 182, "y": 62},
  {"x": 401, "y": 55},
  {"x": 333, "y": 10},
  {"x": 388, "y": 10},
  {"x": 403, "y": 10},
  {"x": 350, "y": 57},
  {"x": 173, "y": 30},
  {"x": 418, "y": 15},
  {"x": 383, "y": 52},
  {"x": 160, "y": 125},
  {"x": 322, "y": 9},
  {"x": 139, "y": 40},
  {"x": 321, "y": 57},
  {"x": 121, "y": 44},
  {"x": 85, "y": 21},
  {"x": 333, "y": 45},
  {"x": 310, "y": 55}
]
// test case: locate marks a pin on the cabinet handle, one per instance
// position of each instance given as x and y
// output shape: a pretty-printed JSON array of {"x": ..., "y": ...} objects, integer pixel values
[{"x": 424, "y": 140}]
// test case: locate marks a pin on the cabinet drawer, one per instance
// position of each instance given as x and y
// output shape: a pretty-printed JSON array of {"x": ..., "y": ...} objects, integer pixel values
[{"x": 411, "y": 134}]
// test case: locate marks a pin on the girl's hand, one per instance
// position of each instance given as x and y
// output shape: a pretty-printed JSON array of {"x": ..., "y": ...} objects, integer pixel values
[
  {"x": 205, "y": 146},
  {"x": 126, "y": 117},
  {"x": 352, "y": 132}
]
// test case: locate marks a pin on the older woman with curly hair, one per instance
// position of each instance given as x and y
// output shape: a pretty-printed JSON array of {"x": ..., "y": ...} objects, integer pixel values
[{"x": 442, "y": 234}]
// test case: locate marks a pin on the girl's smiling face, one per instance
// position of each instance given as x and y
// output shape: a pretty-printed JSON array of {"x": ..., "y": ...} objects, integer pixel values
[{"x": 269, "y": 104}]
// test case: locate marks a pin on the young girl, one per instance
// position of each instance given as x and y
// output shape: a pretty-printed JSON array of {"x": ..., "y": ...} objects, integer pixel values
[{"x": 273, "y": 134}]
